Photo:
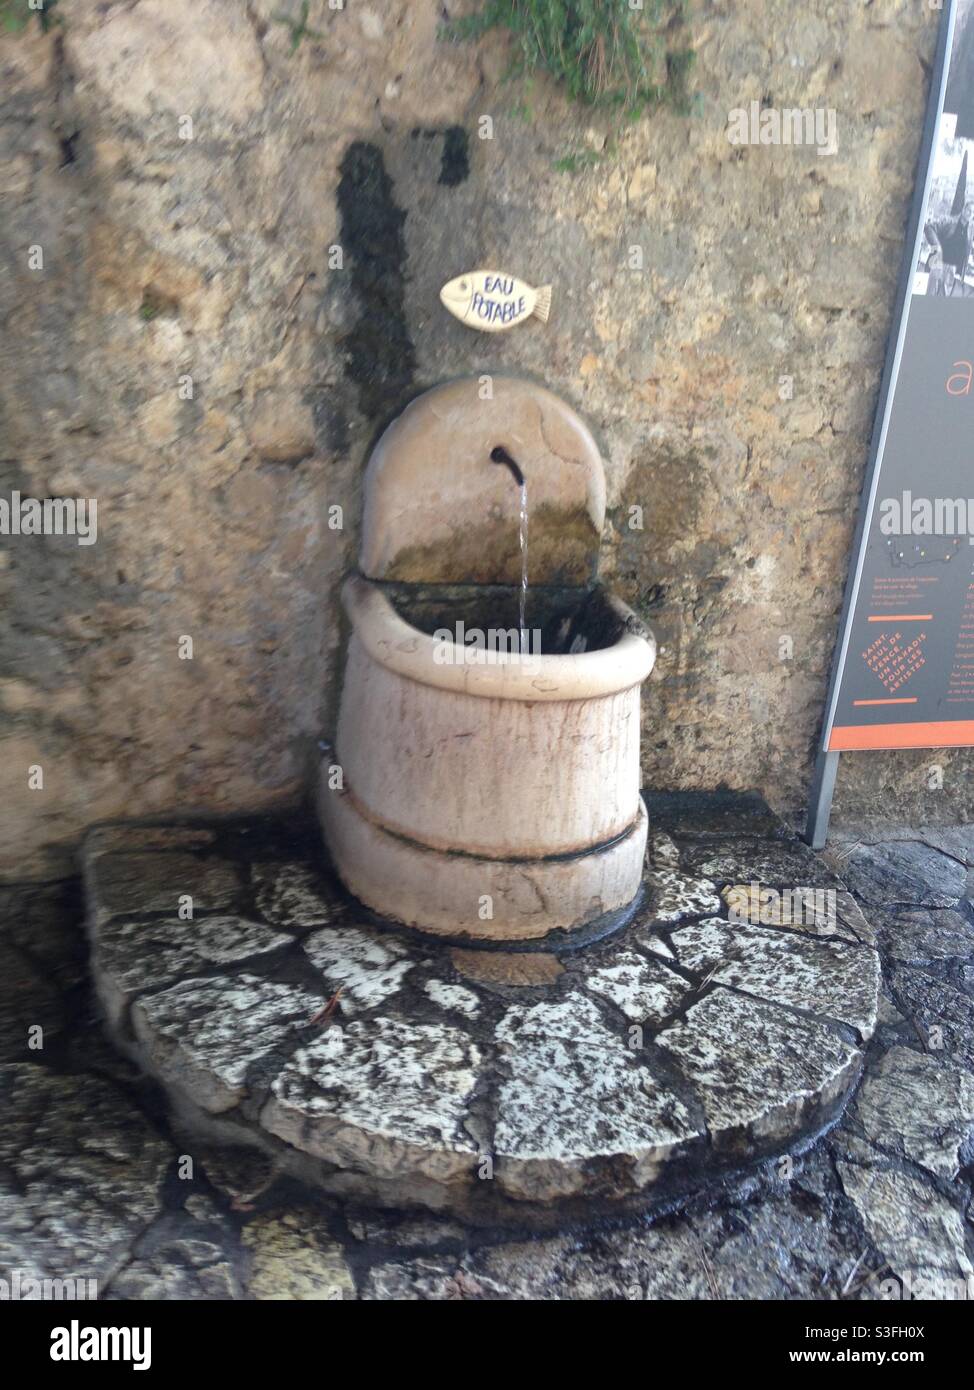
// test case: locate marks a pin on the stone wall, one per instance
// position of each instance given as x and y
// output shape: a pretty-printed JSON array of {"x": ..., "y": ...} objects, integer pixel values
[{"x": 168, "y": 258}]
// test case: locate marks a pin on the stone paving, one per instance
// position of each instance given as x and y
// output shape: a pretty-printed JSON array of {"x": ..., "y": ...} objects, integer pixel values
[
  {"x": 97, "y": 1180},
  {"x": 675, "y": 1049}
]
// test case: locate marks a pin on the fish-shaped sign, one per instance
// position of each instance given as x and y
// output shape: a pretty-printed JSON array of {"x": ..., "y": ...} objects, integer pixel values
[{"x": 493, "y": 302}]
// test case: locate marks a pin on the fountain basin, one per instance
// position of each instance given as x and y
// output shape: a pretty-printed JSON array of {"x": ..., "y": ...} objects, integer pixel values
[
  {"x": 487, "y": 788},
  {"x": 488, "y": 793}
]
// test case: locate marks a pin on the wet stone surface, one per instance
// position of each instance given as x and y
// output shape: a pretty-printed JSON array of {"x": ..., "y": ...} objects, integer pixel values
[
  {"x": 921, "y": 937},
  {"x": 739, "y": 859},
  {"x": 474, "y": 1126},
  {"x": 145, "y": 882},
  {"x": 904, "y": 873},
  {"x": 920, "y": 1108},
  {"x": 941, "y": 1011},
  {"x": 82, "y": 1173}
]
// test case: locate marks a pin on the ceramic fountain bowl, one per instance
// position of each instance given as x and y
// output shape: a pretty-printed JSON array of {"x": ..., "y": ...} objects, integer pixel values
[{"x": 484, "y": 780}]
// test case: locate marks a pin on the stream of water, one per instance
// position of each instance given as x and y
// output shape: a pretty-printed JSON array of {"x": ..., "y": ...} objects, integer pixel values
[
  {"x": 500, "y": 455},
  {"x": 523, "y": 537}
]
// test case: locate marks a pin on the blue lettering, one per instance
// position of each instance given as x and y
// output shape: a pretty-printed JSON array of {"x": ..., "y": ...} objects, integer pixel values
[
  {"x": 494, "y": 310},
  {"x": 496, "y": 284}
]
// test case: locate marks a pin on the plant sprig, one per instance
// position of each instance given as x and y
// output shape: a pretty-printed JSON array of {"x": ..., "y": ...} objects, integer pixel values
[
  {"x": 15, "y": 15},
  {"x": 606, "y": 53}
]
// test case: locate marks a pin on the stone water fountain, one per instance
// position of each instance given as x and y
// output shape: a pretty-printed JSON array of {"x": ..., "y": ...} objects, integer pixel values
[
  {"x": 488, "y": 793},
  {"x": 514, "y": 990}
]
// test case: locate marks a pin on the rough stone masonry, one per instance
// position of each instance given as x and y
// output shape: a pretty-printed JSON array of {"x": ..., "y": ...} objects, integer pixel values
[{"x": 194, "y": 355}]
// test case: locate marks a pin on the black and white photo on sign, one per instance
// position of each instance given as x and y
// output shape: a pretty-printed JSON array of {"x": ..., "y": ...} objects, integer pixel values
[{"x": 945, "y": 265}]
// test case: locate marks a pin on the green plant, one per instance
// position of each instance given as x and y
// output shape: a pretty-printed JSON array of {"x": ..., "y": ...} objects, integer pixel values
[
  {"x": 298, "y": 27},
  {"x": 15, "y": 15},
  {"x": 573, "y": 163},
  {"x": 604, "y": 51}
]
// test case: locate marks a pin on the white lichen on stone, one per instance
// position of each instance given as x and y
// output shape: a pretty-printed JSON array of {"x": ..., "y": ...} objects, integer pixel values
[
  {"x": 644, "y": 991},
  {"x": 676, "y": 896},
  {"x": 704, "y": 944},
  {"x": 289, "y": 895},
  {"x": 573, "y": 1017},
  {"x": 820, "y": 976},
  {"x": 133, "y": 957},
  {"x": 757, "y": 1069},
  {"x": 391, "y": 1099},
  {"x": 380, "y": 1093},
  {"x": 203, "y": 1036},
  {"x": 368, "y": 967},
  {"x": 573, "y": 1092},
  {"x": 454, "y": 997},
  {"x": 647, "y": 936}
]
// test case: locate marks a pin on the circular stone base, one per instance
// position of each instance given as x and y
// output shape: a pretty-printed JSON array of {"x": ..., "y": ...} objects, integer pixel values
[{"x": 501, "y": 1085}]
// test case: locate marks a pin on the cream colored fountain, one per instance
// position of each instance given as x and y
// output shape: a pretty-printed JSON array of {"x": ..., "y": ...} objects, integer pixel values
[{"x": 488, "y": 747}]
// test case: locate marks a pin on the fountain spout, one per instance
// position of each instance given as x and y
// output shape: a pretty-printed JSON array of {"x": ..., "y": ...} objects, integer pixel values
[{"x": 500, "y": 455}]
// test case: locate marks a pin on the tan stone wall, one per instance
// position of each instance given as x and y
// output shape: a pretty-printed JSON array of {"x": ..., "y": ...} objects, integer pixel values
[{"x": 166, "y": 257}]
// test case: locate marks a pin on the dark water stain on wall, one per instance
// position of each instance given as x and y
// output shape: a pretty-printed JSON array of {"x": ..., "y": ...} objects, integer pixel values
[
  {"x": 330, "y": 421},
  {"x": 379, "y": 355},
  {"x": 455, "y": 165},
  {"x": 455, "y": 158}
]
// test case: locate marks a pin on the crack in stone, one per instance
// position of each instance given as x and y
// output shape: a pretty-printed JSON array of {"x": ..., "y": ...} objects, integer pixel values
[
  {"x": 846, "y": 1031},
  {"x": 565, "y": 458}
]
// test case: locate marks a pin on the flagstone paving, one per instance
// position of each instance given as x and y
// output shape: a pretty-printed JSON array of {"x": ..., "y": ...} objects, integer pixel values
[{"x": 426, "y": 1129}]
